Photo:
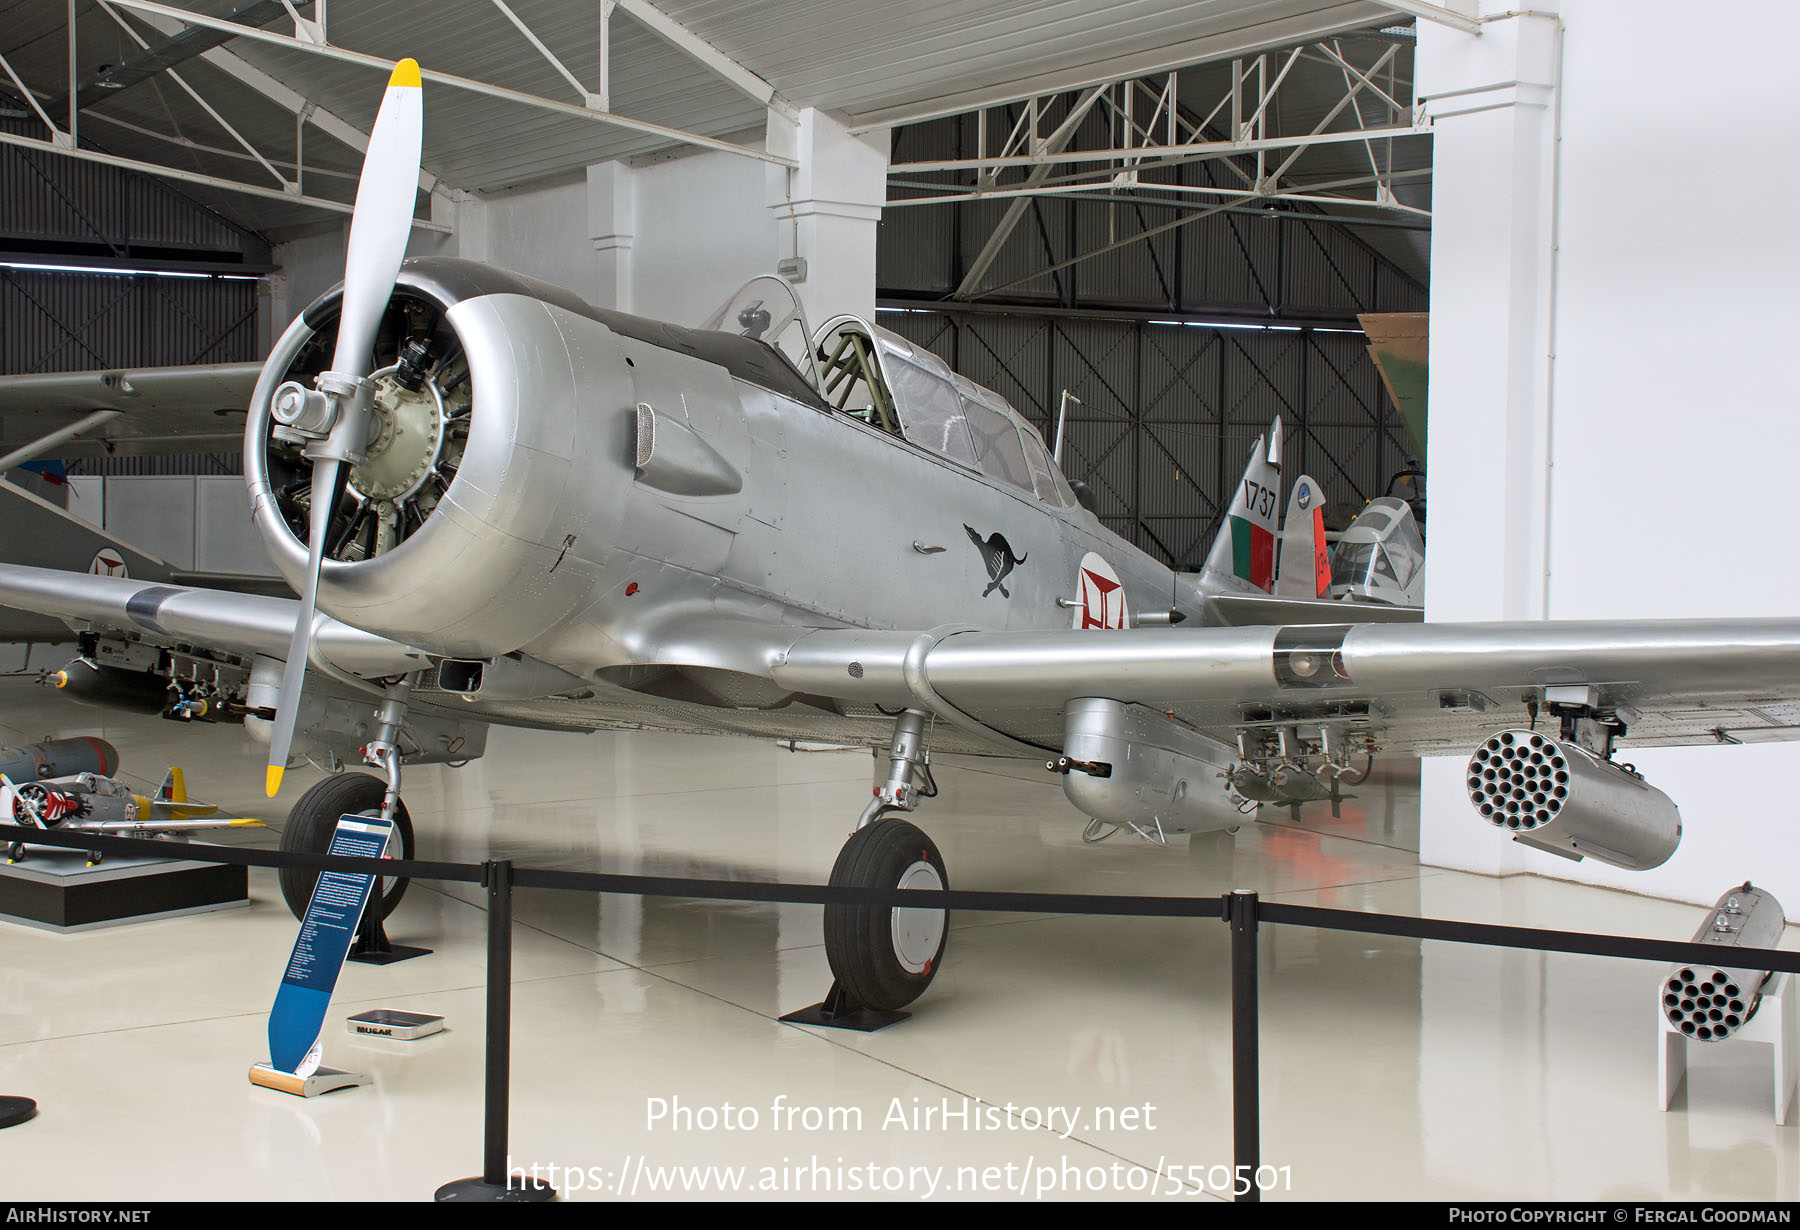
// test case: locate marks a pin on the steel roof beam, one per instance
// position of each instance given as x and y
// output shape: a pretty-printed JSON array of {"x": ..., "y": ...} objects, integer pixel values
[
  {"x": 1306, "y": 28},
  {"x": 1054, "y": 143},
  {"x": 710, "y": 57},
  {"x": 570, "y": 110},
  {"x": 193, "y": 177},
  {"x": 177, "y": 48},
  {"x": 286, "y": 97},
  {"x": 1457, "y": 14}
]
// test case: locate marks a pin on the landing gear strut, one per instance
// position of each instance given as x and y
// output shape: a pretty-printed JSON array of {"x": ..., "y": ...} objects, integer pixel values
[
  {"x": 883, "y": 957},
  {"x": 313, "y": 819}
]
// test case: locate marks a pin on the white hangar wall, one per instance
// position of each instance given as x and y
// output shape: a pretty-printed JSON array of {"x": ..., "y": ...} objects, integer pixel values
[
  {"x": 1610, "y": 421},
  {"x": 668, "y": 236}
]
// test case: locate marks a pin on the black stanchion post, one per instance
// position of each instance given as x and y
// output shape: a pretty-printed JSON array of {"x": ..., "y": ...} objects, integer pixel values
[
  {"x": 1246, "y": 1092},
  {"x": 493, "y": 1184}
]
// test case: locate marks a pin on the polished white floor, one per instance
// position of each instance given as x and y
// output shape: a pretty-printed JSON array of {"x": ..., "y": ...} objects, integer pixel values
[{"x": 1391, "y": 1069}]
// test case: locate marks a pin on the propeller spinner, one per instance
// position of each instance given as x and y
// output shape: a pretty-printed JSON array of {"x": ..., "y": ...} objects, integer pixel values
[{"x": 334, "y": 417}]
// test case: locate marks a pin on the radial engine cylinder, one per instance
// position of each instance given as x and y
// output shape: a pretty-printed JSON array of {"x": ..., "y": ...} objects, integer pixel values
[
  {"x": 1712, "y": 1002},
  {"x": 1564, "y": 800}
]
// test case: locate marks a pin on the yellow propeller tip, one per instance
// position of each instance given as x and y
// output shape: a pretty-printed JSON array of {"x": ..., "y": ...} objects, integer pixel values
[
  {"x": 274, "y": 779},
  {"x": 406, "y": 72}
]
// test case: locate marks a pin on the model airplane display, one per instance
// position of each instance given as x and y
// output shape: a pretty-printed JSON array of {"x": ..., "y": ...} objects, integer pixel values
[
  {"x": 91, "y": 800},
  {"x": 503, "y": 505}
]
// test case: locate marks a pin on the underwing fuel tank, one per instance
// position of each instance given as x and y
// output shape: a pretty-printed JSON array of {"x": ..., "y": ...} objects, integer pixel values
[
  {"x": 1131, "y": 766},
  {"x": 1560, "y": 798},
  {"x": 1712, "y": 1002},
  {"x": 58, "y": 758}
]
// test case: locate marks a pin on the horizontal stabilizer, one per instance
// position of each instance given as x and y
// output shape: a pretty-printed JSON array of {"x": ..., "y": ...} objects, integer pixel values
[{"x": 1250, "y": 610}]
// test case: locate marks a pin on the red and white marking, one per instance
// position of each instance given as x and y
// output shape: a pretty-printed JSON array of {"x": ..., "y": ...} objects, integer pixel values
[
  {"x": 108, "y": 563},
  {"x": 1102, "y": 595}
]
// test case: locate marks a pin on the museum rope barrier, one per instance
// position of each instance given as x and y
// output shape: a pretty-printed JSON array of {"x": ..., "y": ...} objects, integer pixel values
[{"x": 1242, "y": 909}]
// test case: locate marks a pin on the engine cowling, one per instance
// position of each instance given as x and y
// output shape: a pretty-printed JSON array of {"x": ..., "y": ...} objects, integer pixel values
[
  {"x": 1563, "y": 799},
  {"x": 493, "y": 401}
]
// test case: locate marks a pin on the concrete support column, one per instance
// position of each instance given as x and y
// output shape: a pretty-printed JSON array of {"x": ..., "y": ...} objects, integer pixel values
[
  {"x": 1492, "y": 101},
  {"x": 1492, "y": 98},
  {"x": 828, "y": 208},
  {"x": 612, "y": 225}
]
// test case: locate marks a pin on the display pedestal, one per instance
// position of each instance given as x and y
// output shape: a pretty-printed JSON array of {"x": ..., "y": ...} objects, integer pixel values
[
  {"x": 55, "y": 889},
  {"x": 1773, "y": 1025},
  {"x": 323, "y": 1080}
]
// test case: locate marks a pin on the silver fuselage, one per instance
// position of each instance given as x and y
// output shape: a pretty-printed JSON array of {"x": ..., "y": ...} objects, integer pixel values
[{"x": 555, "y": 544}]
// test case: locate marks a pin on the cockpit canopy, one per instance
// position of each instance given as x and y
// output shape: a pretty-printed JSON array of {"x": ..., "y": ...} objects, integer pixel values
[
  {"x": 1381, "y": 555},
  {"x": 881, "y": 379}
]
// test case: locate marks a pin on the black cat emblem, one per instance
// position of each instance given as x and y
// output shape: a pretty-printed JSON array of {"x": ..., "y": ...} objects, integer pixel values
[{"x": 997, "y": 554}]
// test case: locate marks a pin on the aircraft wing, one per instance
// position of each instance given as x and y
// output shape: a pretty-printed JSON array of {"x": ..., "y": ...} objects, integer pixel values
[
  {"x": 176, "y": 614},
  {"x": 162, "y": 409},
  {"x": 1412, "y": 687}
]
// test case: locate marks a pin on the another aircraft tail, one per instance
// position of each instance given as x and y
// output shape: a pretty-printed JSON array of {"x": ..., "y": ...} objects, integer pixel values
[
  {"x": 172, "y": 803},
  {"x": 1243, "y": 555},
  {"x": 1305, "y": 560},
  {"x": 173, "y": 788}
]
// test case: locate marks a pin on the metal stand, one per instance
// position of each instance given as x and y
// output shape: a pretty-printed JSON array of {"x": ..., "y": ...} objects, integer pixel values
[
  {"x": 1246, "y": 1121},
  {"x": 839, "y": 1011},
  {"x": 14, "y": 1111},
  {"x": 372, "y": 946},
  {"x": 494, "y": 1185}
]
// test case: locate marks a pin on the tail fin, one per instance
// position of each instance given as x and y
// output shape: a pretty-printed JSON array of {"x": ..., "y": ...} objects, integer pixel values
[
  {"x": 173, "y": 788},
  {"x": 1244, "y": 551},
  {"x": 1305, "y": 561}
]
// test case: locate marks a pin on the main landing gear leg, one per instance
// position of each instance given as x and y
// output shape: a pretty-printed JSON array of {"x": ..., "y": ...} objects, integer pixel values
[
  {"x": 313, "y": 820},
  {"x": 883, "y": 957}
]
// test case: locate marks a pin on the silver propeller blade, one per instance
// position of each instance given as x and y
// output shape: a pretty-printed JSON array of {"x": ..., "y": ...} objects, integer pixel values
[
  {"x": 379, "y": 228},
  {"x": 324, "y": 487}
]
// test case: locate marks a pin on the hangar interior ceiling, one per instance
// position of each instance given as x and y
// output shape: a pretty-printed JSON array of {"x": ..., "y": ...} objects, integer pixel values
[
  {"x": 1185, "y": 286},
  {"x": 1173, "y": 210}
]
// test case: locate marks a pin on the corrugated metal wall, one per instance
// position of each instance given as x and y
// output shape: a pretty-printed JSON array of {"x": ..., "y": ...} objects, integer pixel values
[
  {"x": 57, "y": 210},
  {"x": 53, "y": 322},
  {"x": 57, "y": 321},
  {"x": 1169, "y": 410},
  {"x": 71, "y": 207}
]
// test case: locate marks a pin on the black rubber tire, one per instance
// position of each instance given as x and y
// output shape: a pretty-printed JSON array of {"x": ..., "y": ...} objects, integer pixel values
[
  {"x": 312, "y": 821},
  {"x": 859, "y": 940}
]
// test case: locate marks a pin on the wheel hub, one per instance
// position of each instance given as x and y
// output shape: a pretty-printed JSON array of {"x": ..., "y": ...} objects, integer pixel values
[{"x": 918, "y": 933}]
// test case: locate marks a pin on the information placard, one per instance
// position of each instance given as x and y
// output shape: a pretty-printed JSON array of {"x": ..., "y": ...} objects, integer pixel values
[{"x": 326, "y": 934}]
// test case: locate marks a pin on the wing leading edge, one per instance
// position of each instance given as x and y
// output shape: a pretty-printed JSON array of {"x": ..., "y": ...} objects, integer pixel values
[{"x": 242, "y": 623}]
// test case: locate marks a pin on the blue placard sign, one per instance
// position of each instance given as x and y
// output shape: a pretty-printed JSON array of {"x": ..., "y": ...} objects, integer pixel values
[{"x": 326, "y": 934}]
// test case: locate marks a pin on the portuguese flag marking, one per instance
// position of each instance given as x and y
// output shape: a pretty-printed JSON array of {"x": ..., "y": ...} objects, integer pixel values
[{"x": 1252, "y": 553}]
